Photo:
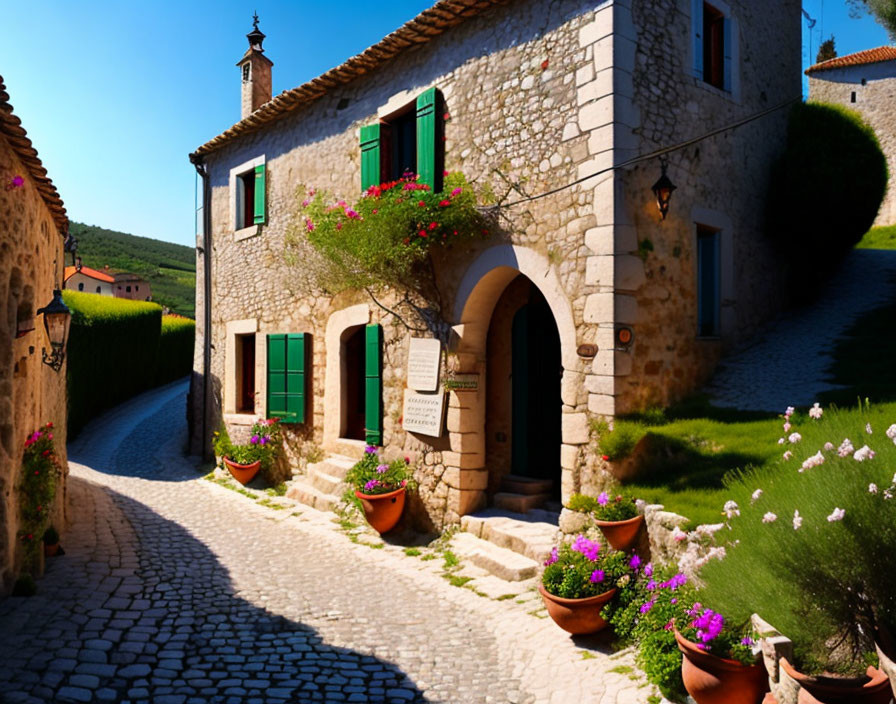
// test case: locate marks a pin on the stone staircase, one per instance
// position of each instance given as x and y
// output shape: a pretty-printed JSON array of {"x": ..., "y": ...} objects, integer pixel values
[
  {"x": 323, "y": 483},
  {"x": 509, "y": 545},
  {"x": 522, "y": 494}
]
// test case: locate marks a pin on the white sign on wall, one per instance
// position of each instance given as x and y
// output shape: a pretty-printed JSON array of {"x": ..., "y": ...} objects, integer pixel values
[
  {"x": 424, "y": 413},
  {"x": 424, "y": 358}
]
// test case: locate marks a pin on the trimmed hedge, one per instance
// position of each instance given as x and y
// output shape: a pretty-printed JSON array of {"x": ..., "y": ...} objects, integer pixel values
[
  {"x": 175, "y": 348},
  {"x": 115, "y": 352},
  {"x": 826, "y": 189}
]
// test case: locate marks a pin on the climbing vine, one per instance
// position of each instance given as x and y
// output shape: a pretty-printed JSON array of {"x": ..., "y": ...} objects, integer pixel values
[{"x": 40, "y": 474}]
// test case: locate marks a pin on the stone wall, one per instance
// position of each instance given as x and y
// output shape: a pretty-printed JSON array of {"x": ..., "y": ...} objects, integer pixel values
[
  {"x": 31, "y": 393},
  {"x": 874, "y": 88}
]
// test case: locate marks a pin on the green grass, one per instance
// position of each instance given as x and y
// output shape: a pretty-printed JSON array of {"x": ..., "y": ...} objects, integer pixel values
[
  {"x": 412, "y": 552},
  {"x": 879, "y": 238}
]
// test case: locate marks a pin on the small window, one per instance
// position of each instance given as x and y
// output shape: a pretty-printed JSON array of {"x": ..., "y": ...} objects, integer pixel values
[
  {"x": 81, "y": 286},
  {"x": 714, "y": 47},
  {"x": 246, "y": 70},
  {"x": 127, "y": 289},
  {"x": 99, "y": 289},
  {"x": 852, "y": 98},
  {"x": 399, "y": 136},
  {"x": 136, "y": 288},
  {"x": 708, "y": 289},
  {"x": 247, "y": 184},
  {"x": 246, "y": 199},
  {"x": 245, "y": 373}
]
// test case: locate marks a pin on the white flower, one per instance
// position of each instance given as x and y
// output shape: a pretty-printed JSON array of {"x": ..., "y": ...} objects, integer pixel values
[
  {"x": 678, "y": 534},
  {"x": 868, "y": 428},
  {"x": 813, "y": 461},
  {"x": 891, "y": 432},
  {"x": 756, "y": 495},
  {"x": 781, "y": 441},
  {"x": 845, "y": 448},
  {"x": 797, "y": 520},
  {"x": 769, "y": 517},
  {"x": 837, "y": 515},
  {"x": 787, "y": 455},
  {"x": 789, "y": 412},
  {"x": 872, "y": 488},
  {"x": 815, "y": 412},
  {"x": 795, "y": 438},
  {"x": 863, "y": 453},
  {"x": 888, "y": 494},
  {"x": 731, "y": 509},
  {"x": 828, "y": 446},
  {"x": 787, "y": 427}
]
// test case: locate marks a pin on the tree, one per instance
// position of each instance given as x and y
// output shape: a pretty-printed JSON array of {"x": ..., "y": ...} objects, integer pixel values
[
  {"x": 826, "y": 51},
  {"x": 883, "y": 10}
]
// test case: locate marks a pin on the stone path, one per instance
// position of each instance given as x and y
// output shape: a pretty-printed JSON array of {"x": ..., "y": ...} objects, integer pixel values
[
  {"x": 786, "y": 365},
  {"x": 176, "y": 590}
]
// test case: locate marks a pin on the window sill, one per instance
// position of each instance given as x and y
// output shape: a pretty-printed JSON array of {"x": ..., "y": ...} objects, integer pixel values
[
  {"x": 247, "y": 419},
  {"x": 728, "y": 95},
  {"x": 246, "y": 232}
]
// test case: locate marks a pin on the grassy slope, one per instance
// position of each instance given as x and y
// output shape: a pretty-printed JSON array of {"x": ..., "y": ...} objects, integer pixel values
[
  {"x": 879, "y": 238},
  {"x": 169, "y": 268}
]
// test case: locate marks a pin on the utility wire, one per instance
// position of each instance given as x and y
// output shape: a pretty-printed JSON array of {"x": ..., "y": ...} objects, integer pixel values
[{"x": 654, "y": 154}]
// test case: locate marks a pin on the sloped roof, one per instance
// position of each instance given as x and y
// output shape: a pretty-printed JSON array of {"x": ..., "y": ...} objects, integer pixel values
[
  {"x": 87, "y": 271},
  {"x": 860, "y": 58},
  {"x": 429, "y": 24},
  {"x": 11, "y": 128}
]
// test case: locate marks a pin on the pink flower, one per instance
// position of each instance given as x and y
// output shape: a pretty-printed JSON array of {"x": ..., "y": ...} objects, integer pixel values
[
  {"x": 828, "y": 446},
  {"x": 795, "y": 438},
  {"x": 837, "y": 515},
  {"x": 797, "y": 520},
  {"x": 603, "y": 499},
  {"x": 309, "y": 224},
  {"x": 813, "y": 461},
  {"x": 787, "y": 455},
  {"x": 756, "y": 495},
  {"x": 787, "y": 427},
  {"x": 872, "y": 488},
  {"x": 863, "y": 453},
  {"x": 456, "y": 192},
  {"x": 769, "y": 517},
  {"x": 815, "y": 412},
  {"x": 868, "y": 428},
  {"x": 845, "y": 448}
]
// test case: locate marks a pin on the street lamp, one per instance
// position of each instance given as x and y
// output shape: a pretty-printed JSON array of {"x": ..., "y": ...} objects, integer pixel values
[
  {"x": 662, "y": 189},
  {"x": 57, "y": 319}
]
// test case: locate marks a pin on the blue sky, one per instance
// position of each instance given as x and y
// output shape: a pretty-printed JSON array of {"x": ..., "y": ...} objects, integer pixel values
[{"x": 116, "y": 94}]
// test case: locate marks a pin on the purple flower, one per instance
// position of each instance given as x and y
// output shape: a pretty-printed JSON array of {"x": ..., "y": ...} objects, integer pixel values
[
  {"x": 553, "y": 558},
  {"x": 647, "y": 606},
  {"x": 675, "y": 582},
  {"x": 382, "y": 469},
  {"x": 372, "y": 484},
  {"x": 603, "y": 499},
  {"x": 635, "y": 562},
  {"x": 597, "y": 576},
  {"x": 254, "y": 439},
  {"x": 708, "y": 624},
  {"x": 651, "y": 585},
  {"x": 370, "y": 450},
  {"x": 648, "y": 569},
  {"x": 264, "y": 440},
  {"x": 588, "y": 548},
  {"x": 747, "y": 640}
]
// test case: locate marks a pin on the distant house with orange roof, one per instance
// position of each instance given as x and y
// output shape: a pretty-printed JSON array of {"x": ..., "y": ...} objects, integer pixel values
[
  {"x": 83, "y": 278},
  {"x": 865, "y": 82}
]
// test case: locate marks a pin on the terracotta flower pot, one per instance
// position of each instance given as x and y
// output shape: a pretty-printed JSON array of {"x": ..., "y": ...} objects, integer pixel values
[
  {"x": 243, "y": 473},
  {"x": 577, "y": 616},
  {"x": 382, "y": 511},
  {"x": 872, "y": 689},
  {"x": 887, "y": 666},
  {"x": 710, "y": 679},
  {"x": 50, "y": 549},
  {"x": 621, "y": 535}
]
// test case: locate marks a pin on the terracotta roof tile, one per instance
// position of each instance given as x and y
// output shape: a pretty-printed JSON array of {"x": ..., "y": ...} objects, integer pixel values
[
  {"x": 87, "y": 271},
  {"x": 429, "y": 24},
  {"x": 869, "y": 56},
  {"x": 11, "y": 128}
]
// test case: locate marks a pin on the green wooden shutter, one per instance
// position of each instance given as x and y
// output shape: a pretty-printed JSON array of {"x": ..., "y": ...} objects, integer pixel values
[
  {"x": 426, "y": 137},
  {"x": 259, "y": 194},
  {"x": 370, "y": 156},
  {"x": 697, "y": 36},
  {"x": 286, "y": 377},
  {"x": 373, "y": 384}
]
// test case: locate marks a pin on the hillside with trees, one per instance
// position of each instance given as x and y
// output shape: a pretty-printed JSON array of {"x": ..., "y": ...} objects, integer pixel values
[{"x": 169, "y": 268}]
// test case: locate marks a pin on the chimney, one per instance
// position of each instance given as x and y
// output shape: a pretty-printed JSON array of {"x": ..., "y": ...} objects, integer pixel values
[
  {"x": 78, "y": 264},
  {"x": 255, "y": 73}
]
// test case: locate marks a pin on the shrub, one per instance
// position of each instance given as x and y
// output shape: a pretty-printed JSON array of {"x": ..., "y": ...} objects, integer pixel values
[
  {"x": 825, "y": 190},
  {"x": 175, "y": 348},
  {"x": 40, "y": 474},
  {"x": 605, "y": 507},
  {"x": 371, "y": 475},
  {"x": 583, "y": 569},
  {"x": 619, "y": 442},
  {"x": 814, "y": 536}
]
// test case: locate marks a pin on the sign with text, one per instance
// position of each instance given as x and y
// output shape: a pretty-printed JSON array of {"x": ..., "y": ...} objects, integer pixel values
[
  {"x": 424, "y": 358},
  {"x": 424, "y": 413}
]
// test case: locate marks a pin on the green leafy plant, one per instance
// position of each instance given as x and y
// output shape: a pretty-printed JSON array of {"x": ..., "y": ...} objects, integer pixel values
[
  {"x": 605, "y": 507},
  {"x": 620, "y": 442},
  {"x": 264, "y": 444},
  {"x": 387, "y": 234},
  {"x": 372, "y": 475},
  {"x": 583, "y": 569},
  {"x": 37, "y": 487}
]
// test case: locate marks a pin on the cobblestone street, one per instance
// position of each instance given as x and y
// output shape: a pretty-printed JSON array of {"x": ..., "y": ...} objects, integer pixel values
[{"x": 174, "y": 589}]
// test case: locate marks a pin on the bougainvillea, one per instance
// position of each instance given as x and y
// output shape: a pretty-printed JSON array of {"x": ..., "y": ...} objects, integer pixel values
[{"x": 40, "y": 474}]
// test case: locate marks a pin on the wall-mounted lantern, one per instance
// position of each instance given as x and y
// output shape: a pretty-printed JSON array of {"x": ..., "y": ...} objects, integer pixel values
[
  {"x": 57, "y": 319},
  {"x": 663, "y": 188}
]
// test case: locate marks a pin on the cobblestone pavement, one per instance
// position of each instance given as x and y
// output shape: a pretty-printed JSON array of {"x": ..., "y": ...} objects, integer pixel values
[
  {"x": 787, "y": 364},
  {"x": 174, "y": 589}
]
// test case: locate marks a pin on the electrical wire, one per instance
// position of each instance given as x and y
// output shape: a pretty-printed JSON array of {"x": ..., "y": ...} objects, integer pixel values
[{"x": 654, "y": 154}]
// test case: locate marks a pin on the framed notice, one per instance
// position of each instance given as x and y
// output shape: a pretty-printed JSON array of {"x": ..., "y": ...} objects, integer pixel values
[
  {"x": 424, "y": 358},
  {"x": 424, "y": 412}
]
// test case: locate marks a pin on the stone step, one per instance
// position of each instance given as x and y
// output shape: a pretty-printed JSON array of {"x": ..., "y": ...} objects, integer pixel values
[
  {"x": 326, "y": 483},
  {"x": 334, "y": 465},
  {"x": 515, "y": 484},
  {"x": 302, "y": 491},
  {"x": 501, "y": 562},
  {"x": 518, "y": 503},
  {"x": 532, "y": 535}
]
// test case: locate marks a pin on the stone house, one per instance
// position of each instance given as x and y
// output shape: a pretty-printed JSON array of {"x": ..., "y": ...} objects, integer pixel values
[
  {"x": 587, "y": 304},
  {"x": 864, "y": 82},
  {"x": 32, "y": 227},
  {"x": 132, "y": 287},
  {"x": 87, "y": 280}
]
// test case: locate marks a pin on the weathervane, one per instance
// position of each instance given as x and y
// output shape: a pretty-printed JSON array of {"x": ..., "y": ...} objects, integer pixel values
[{"x": 255, "y": 21}]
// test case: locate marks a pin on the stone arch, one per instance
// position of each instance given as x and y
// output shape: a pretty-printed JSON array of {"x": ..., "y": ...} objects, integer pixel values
[{"x": 338, "y": 323}]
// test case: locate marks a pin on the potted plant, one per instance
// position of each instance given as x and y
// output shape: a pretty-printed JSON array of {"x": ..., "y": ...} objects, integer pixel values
[
  {"x": 51, "y": 542},
  {"x": 579, "y": 579},
  {"x": 381, "y": 487},
  {"x": 262, "y": 450},
  {"x": 617, "y": 517},
  {"x": 871, "y": 688},
  {"x": 814, "y": 536}
]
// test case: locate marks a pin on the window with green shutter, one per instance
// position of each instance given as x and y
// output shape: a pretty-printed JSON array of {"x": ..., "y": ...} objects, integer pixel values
[
  {"x": 370, "y": 156},
  {"x": 373, "y": 384},
  {"x": 287, "y": 362},
  {"x": 259, "y": 199}
]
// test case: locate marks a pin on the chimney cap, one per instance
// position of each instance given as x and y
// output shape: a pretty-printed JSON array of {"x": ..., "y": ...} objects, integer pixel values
[{"x": 256, "y": 36}]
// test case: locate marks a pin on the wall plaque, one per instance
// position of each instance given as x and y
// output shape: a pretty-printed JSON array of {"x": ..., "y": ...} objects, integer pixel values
[
  {"x": 424, "y": 413},
  {"x": 463, "y": 382},
  {"x": 424, "y": 358}
]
